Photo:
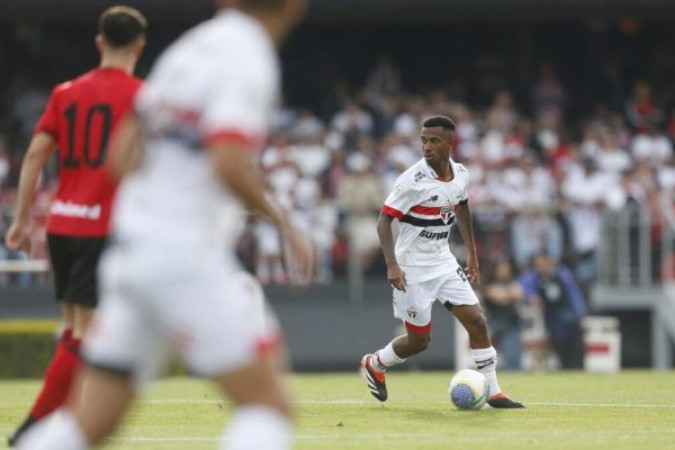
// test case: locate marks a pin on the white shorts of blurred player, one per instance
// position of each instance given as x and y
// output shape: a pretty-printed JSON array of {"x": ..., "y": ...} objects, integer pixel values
[
  {"x": 414, "y": 305},
  {"x": 156, "y": 302}
]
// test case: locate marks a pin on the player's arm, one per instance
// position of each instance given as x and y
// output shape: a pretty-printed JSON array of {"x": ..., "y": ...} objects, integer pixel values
[
  {"x": 235, "y": 168},
  {"x": 465, "y": 224},
  {"x": 41, "y": 146},
  {"x": 395, "y": 275},
  {"x": 125, "y": 147}
]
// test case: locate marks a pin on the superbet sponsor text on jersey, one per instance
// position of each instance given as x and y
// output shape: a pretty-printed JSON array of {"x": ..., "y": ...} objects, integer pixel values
[
  {"x": 81, "y": 115},
  {"x": 217, "y": 83},
  {"x": 425, "y": 208}
]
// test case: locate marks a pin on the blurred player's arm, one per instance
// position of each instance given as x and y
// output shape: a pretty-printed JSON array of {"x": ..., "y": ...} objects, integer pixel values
[
  {"x": 41, "y": 146},
  {"x": 125, "y": 147},
  {"x": 234, "y": 167},
  {"x": 395, "y": 275},
  {"x": 465, "y": 224}
]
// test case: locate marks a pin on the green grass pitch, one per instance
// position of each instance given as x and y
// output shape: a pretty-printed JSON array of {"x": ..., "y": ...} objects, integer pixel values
[{"x": 573, "y": 410}]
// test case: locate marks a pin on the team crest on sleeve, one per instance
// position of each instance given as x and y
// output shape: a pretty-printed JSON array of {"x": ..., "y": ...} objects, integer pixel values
[{"x": 398, "y": 191}]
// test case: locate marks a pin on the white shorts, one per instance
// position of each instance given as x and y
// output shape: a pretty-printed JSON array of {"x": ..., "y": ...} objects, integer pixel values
[
  {"x": 414, "y": 305},
  {"x": 155, "y": 301}
]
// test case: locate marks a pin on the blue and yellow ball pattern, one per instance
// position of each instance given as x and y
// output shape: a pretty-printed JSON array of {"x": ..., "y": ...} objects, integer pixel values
[{"x": 468, "y": 390}]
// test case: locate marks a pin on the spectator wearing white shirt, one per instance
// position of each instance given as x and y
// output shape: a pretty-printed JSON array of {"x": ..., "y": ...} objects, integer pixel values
[
  {"x": 587, "y": 193},
  {"x": 609, "y": 156},
  {"x": 352, "y": 121},
  {"x": 652, "y": 147},
  {"x": 360, "y": 198}
]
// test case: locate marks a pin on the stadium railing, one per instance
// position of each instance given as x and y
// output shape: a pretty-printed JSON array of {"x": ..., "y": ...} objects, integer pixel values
[{"x": 636, "y": 262}]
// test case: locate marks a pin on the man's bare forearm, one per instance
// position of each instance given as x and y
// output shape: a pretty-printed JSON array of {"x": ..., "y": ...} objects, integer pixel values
[
  {"x": 386, "y": 238},
  {"x": 235, "y": 168},
  {"x": 465, "y": 224},
  {"x": 39, "y": 150}
]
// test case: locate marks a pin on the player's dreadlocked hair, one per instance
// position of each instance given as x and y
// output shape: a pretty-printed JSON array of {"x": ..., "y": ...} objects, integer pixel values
[
  {"x": 440, "y": 121},
  {"x": 122, "y": 25}
]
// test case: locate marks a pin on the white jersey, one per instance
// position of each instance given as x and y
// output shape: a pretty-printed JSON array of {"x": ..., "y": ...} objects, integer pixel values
[
  {"x": 219, "y": 80},
  {"x": 169, "y": 281},
  {"x": 425, "y": 208}
]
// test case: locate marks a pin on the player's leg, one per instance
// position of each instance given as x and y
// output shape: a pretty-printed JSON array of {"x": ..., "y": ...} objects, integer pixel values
[
  {"x": 413, "y": 307},
  {"x": 482, "y": 351},
  {"x": 67, "y": 319},
  {"x": 101, "y": 386},
  {"x": 75, "y": 261},
  {"x": 262, "y": 406},
  {"x": 228, "y": 334},
  {"x": 81, "y": 319},
  {"x": 58, "y": 375},
  {"x": 84, "y": 423},
  {"x": 122, "y": 347},
  {"x": 55, "y": 376},
  {"x": 457, "y": 295}
]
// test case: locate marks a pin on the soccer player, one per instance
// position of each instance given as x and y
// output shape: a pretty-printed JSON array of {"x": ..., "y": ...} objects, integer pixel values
[
  {"x": 78, "y": 119},
  {"x": 169, "y": 277},
  {"x": 426, "y": 199}
]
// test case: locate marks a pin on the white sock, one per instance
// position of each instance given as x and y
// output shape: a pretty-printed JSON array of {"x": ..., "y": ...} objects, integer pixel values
[
  {"x": 486, "y": 361},
  {"x": 60, "y": 430},
  {"x": 258, "y": 427},
  {"x": 386, "y": 358}
]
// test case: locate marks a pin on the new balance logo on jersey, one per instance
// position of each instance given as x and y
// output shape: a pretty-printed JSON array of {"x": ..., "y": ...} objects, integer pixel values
[
  {"x": 420, "y": 175},
  {"x": 434, "y": 236}
]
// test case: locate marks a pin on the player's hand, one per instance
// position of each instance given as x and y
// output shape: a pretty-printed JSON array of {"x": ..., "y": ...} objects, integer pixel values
[
  {"x": 472, "y": 271},
  {"x": 302, "y": 256},
  {"x": 396, "y": 277},
  {"x": 18, "y": 237}
]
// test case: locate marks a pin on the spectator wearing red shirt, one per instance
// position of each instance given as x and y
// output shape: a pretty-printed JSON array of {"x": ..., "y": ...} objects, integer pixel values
[{"x": 642, "y": 111}]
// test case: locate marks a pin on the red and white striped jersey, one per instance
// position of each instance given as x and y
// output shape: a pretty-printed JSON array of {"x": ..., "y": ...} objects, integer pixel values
[{"x": 425, "y": 208}]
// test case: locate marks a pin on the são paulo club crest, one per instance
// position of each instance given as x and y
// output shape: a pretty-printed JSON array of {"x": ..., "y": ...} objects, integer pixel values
[
  {"x": 412, "y": 312},
  {"x": 446, "y": 213}
]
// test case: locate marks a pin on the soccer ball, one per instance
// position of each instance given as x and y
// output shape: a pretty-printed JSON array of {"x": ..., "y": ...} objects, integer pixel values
[{"x": 468, "y": 389}]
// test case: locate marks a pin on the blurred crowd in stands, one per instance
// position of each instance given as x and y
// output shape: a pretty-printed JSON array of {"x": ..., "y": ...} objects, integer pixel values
[{"x": 540, "y": 179}]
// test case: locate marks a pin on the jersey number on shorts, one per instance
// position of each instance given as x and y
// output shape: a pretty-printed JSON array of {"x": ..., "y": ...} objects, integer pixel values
[{"x": 100, "y": 114}]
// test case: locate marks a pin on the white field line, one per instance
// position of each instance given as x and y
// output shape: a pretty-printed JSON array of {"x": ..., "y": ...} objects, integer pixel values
[
  {"x": 398, "y": 437},
  {"x": 189, "y": 401},
  {"x": 359, "y": 402},
  {"x": 601, "y": 405}
]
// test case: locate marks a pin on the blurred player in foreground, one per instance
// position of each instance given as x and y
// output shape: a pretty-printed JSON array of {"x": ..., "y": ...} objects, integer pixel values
[
  {"x": 79, "y": 119},
  {"x": 169, "y": 278},
  {"x": 427, "y": 198}
]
